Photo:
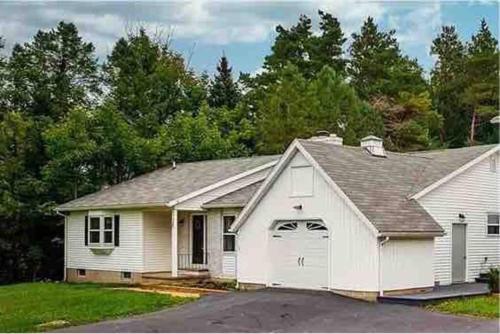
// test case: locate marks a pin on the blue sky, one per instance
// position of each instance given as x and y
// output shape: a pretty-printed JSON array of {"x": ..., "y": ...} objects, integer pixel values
[{"x": 244, "y": 30}]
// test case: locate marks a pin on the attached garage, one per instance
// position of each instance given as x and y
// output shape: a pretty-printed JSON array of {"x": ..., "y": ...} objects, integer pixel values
[
  {"x": 299, "y": 254},
  {"x": 303, "y": 230}
]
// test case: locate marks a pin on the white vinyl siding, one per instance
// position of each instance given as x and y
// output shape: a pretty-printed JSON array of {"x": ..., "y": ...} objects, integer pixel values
[
  {"x": 474, "y": 193},
  {"x": 126, "y": 257},
  {"x": 352, "y": 247},
  {"x": 157, "y": 241},
  {"x": 407, "y": 264}
]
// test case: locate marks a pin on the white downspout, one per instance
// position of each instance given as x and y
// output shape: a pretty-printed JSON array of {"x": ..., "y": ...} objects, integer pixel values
[
  {"x": 380, "y": 285},
  {"x": 65, "y": 244}
]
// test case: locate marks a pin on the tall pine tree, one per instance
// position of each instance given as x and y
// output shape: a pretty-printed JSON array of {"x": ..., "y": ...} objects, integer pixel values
[
  {"x": 223, "y": 90},
  {"x": 481, "y": 93},
  {"x": 448, "y": 85},
  {"x": 377, "y": 67}
]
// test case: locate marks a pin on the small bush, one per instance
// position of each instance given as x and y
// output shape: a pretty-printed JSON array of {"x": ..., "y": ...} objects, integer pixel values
[{"x": 493, "y": 277}]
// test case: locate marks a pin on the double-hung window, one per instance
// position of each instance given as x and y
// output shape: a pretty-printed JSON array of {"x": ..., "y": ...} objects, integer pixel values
[
  {"x": 229, "y": 238},
  {"x": 493, "y": 224},
  {"x": 101, "y": 231}
]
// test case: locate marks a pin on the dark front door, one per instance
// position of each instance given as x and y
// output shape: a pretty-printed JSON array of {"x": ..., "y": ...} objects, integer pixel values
[{"x": 198, "y": 239}]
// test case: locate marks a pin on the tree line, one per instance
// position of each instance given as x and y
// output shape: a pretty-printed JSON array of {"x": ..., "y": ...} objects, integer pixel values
[{"x": 70, "y": 124}]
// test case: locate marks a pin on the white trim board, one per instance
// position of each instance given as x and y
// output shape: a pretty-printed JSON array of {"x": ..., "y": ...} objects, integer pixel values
[{"x": 219, "y": 184}]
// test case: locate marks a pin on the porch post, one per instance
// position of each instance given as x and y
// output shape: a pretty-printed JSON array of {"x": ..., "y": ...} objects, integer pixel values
[{"x": 174, "y": 243}]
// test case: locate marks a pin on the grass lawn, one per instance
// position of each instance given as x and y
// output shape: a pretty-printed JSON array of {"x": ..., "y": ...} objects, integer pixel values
[
  {"x": 25, "y": 307},
  {"x": 482, "y": 306}
]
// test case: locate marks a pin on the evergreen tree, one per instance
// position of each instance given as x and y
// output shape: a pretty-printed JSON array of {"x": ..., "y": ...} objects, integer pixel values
[
  {"x": 377, "y": 66},
  {"x": 326, "y": 49},
  {"x": 448, "y": 86},
  {"x": 54, "y": 73},
  {"x": 291, "y": 46},
  {"x": 223, "y": 91},
  {"x": 481, "y": 93},
  {"x": 309, "y": 53},
  {"x": 294, "y": 107}
]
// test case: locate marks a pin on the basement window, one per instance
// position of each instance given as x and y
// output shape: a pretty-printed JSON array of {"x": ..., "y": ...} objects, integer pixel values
[
  {"x": 81, "y": 273},
  {"x": 493, "y": 224},
  {"x": 126, "y": 275}
]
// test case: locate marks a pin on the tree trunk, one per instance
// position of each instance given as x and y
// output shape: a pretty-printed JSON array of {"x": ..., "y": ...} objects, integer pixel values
[{"x": 473, "y": 128}]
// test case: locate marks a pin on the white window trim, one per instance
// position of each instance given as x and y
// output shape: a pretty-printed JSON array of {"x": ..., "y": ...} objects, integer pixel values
[
  {"x": 102, "y": 229},
  {"x": 224, "y": 233},
  {"x": 488, "y": 225}
]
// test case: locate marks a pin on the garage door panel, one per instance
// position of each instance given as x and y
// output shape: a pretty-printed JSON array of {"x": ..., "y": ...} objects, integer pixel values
[{"x": 299, "y": 256}]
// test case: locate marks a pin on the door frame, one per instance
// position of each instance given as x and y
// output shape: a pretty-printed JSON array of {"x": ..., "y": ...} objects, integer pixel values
[
  {"x": 269, "y": 264},
  {"x": 466, "y": 266},
  {"x": 190, "y": 238}
]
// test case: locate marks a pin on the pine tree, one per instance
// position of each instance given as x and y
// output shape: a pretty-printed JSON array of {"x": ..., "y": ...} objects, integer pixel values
[
  {"x": 377, "y": 66},
  {"x": 481, "y": 94},
  {"x": 448, "y": 85},
  {"x": 291, "y": 46},
  {"x": 223, "y": 90},
  {"x": 326, "y": 49}
]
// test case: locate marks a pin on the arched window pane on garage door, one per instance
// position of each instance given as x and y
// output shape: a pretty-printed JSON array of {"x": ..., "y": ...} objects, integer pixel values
[
  {"x": 315, "y": 226},
  {"x": 291, "y": 226}
]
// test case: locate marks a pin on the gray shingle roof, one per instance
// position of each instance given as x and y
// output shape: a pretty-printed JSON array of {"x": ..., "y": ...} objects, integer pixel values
[
  {"x": 239, "y": 197},
  {"x": 166, "y": 184},
  {"x": 380, "y": 187}
]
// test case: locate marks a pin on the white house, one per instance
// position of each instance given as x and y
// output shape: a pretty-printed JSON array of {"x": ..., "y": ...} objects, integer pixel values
[{"x": 358, "y": 221}]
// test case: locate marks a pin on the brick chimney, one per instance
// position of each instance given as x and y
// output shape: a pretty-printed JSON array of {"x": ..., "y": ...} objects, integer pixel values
[{"x": 326, "y": 137}]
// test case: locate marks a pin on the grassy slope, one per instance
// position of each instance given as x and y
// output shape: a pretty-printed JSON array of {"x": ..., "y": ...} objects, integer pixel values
[
  {"x": 483, "y": 306},
  {"x": 24, "y": 306}
]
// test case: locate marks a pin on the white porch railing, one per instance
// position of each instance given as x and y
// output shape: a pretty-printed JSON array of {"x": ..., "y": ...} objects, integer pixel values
[{"x": 190, "y": 261}]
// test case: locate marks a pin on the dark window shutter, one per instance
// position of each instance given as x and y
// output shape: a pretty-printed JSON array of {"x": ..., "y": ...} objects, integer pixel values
[
  {"x": 117, "y": 230},
  {"x": 86, "y": 230}
]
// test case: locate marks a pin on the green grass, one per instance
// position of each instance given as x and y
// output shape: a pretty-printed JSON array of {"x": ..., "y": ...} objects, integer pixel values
[
  {"x": 25, "y": 307},
  {"x": 482, "y": 306}
]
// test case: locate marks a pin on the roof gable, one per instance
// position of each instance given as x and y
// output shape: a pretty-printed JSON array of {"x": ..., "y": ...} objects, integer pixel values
[{"x": 379, "y": 188}]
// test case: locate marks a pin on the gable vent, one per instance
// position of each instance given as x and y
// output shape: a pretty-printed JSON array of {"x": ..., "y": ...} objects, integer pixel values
[{"x": 374, "y": 146}]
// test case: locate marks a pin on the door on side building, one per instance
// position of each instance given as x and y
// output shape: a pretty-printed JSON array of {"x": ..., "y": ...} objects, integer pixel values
[{"x": 458, "y": 253}]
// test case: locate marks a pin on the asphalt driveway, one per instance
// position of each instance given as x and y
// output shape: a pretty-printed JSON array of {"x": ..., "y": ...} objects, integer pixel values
[{"x": 290, "y": 311}]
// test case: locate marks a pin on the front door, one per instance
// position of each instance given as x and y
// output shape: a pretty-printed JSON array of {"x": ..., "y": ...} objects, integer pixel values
[
  {"x": 458, "y": 253},
  {"x": 198, "y": 240}
]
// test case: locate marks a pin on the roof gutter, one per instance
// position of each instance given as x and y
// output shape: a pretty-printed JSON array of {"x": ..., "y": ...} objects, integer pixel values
[
  {"x": 415, "y": 235},
  {"x": 113, "y": 206}
]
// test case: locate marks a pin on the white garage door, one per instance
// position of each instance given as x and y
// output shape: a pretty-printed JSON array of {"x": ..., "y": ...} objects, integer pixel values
[{"x": 299, "y": 255}]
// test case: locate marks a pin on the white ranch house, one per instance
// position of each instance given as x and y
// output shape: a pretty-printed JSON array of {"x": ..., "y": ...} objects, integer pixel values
[{"x": 358, "y": 221}]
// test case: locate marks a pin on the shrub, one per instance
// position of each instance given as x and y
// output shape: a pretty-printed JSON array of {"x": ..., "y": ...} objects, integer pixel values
[{"x": 493, "y": 277}]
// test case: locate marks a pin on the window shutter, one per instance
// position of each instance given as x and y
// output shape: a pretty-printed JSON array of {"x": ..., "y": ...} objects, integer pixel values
[
  {"x": 86, "y": 230},
  {"x": 117, "y": 230}
]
